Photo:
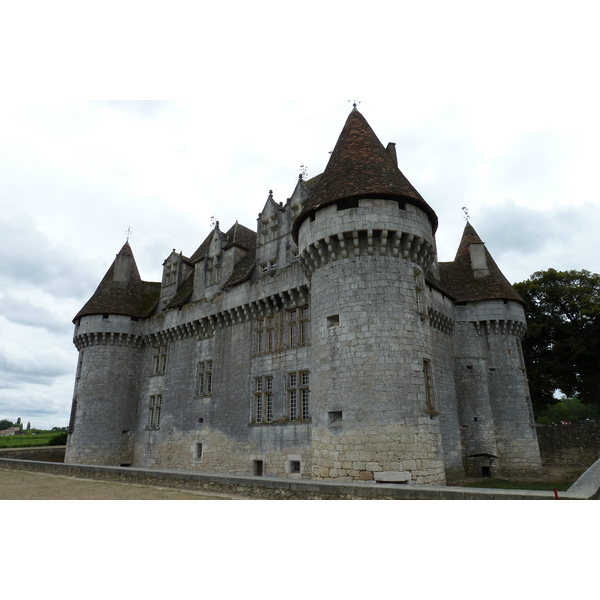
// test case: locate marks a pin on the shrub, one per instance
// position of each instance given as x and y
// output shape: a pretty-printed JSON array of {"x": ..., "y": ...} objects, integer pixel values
[{"x": 60, "y": 439}]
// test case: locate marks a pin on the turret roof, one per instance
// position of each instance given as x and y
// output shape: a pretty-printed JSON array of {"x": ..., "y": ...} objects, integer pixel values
[
  {"x": 458, "y": 279},
  {"x": 134, "y": 297},
  {"x": 360, "y": 167}
]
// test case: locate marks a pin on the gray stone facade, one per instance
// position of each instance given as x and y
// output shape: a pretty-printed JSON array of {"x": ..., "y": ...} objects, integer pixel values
[{"x": 330, "y": 344}]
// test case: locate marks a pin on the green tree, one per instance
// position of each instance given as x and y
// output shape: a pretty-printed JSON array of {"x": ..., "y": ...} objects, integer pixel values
[
  {"x": 6, "y": 424},
  {"x": 562, "y": 343}
]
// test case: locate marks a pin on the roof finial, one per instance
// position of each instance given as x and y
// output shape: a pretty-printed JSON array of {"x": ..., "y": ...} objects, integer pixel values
[
  {"x": 466, "y": 211},
  {"x": 354, "y": 104},
  {"x": 128, "y": 233},
  {"x": 303, "y": 172}
]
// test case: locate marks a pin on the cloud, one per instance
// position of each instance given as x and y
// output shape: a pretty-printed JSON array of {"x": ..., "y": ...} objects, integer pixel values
[
  {"x": 525, "y": 239},
  {"x": 21, "y": 365},
  {"x": 29, "y": 258}
]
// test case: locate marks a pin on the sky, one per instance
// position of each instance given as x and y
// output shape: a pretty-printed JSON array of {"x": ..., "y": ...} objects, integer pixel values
[{"x": 158, "y": 120}]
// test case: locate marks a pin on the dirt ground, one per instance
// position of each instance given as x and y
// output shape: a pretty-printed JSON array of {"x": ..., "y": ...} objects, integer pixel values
[{"x": 24, "y": 485}]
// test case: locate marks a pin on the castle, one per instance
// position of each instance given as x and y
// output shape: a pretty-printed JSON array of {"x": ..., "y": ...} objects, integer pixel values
[{"x": 330, "y": 344}]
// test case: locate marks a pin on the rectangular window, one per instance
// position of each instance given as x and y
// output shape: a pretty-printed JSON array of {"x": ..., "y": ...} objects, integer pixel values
[
  {"x": 419, "y": 291},
  {"x": 263, "y": 400},
  {"x": 266, "y": 334},
  {"x": 204, "y": 378},
  {"x": 154, "y": 411},
  {"x": 298, "y": 393},
  {"x": 159, "y": 359},
  {"x": 298, "y": 328},
  {"x": 429, "y": 391}
]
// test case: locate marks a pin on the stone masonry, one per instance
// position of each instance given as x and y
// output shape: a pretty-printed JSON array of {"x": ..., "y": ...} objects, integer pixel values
[{"x": 330, "y": 344}]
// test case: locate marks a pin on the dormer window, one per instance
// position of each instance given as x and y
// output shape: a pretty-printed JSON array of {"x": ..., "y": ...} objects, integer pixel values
[
  {"x": 269, "y": 228},
  {"x": 270, "y": 265},
  {"x": 171, "y": 274}
]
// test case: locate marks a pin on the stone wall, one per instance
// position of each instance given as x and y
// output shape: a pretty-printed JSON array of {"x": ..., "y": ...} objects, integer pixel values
[
  {"x": 577, "y": 445},
  {"x": 283, "y": 489},
  {"x": 55, "y": 454}
]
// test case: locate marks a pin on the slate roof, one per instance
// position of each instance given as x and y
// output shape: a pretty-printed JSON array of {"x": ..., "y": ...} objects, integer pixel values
[
  {"x": 243, "y": 269},
  {"x": 134, "y": 298},
  {"x": 458, "y": 280},
  {"x": 360, "y": 167},
  {"x": 240, "y": 236}
]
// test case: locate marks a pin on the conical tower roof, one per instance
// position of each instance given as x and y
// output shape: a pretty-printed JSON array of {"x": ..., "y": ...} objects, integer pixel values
[
  {"x": 360, "y": 167},
  {"x": 122, "y": 291},
  {"x": 458, "y": 278}
]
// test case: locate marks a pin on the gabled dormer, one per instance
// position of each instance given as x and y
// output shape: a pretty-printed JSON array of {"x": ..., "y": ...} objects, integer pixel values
[
  {"x": 176, "y": 268},
  {"x": 269, "y": 230},
  {"x": 298, "y": 199}
]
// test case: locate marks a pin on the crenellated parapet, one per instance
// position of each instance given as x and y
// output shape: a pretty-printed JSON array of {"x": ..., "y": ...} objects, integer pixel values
[
  {"x": 501, "y": 327},
  {"x": 369, "y": 242},
  {"x": 205, "y": 327},
  {"x": 107, "y": 338},
  {"x": 440, "y": 321}
]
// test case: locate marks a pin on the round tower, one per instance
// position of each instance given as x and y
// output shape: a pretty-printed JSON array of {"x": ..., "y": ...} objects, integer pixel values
[
  {"x": 494, "y": 407},
  {"x": 108, "y": 338},
  {"x": 366, "y": 240}
]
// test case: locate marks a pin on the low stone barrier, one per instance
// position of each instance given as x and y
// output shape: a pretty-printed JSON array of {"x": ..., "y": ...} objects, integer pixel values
[
  {"x": 41, "y": 453},
  {"x": 574, "y": 444},
  {"x": 277, "y": 489}
]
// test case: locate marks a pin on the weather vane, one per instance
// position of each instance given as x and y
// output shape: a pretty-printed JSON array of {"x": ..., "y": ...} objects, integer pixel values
[
  {"x": 354, "y": 103},
  {"x": 466, "y": 211},
  {"x": 212, "y": 222},
  {"x": 128, "y": 233},
  {"x": 303, "y": 172}
]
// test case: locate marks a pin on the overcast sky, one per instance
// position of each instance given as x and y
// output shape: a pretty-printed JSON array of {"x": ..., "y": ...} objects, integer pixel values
[{"x": 492, "y": 109}]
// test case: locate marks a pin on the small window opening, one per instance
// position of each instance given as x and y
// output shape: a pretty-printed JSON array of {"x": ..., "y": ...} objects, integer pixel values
[
  {"x": 470, "y": 367},
  {"x": 105, "y": 316},
  {"x": 333, "y": 321},
  {"x": 198, "y": 451},
  {"x": 486, "y": 471},
  {"x": 125, "y": 465},
  {"x": 295, "y": 466},
  {"x": 335, "y": 416},
  {"x": 200, "y": 420},
  {"x": 475, "y": 419},
  {"x": 258, "y": 468},
  {"x": 125, "y": 431}
]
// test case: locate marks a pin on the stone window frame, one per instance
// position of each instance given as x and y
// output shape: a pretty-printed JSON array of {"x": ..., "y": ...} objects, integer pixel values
[
  {"x": 154, "y": 411},
  {"x": 430, "y": 400},
  {"x": 266, "y": 334},
  {"x": 263, "y": 399},
  {"x": 159, "y": 359},
  {"x": 204, "y": 378},
  {"x": 419, "y": 291},
  {"x": 298, "y": 395},
  {"x": 298, "y": 326},
  {"x": 268, "y": 228},
  {"x": 171, "y": 273},
  {"x": 268, "y": 266},
  {"x": 213, "y": 270}
]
